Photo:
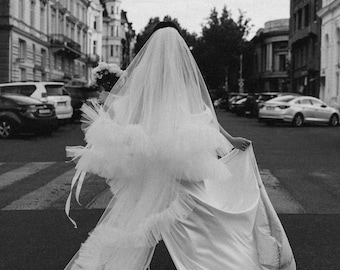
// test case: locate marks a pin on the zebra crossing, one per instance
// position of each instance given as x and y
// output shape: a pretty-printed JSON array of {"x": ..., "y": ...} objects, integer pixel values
[{"x": 46, "y": 185}]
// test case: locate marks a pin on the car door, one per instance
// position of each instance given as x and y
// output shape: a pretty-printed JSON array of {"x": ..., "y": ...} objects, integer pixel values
[
  {"x": 322, "y": 111},
  {"x": 307, "y": 109}
]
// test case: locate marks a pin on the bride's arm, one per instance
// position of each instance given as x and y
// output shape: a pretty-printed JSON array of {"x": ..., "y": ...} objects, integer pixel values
[{"x": 237, "y": 142}]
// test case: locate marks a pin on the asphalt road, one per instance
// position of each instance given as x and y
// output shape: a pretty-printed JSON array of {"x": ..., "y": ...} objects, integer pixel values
[{"x": 305, "y": 160}]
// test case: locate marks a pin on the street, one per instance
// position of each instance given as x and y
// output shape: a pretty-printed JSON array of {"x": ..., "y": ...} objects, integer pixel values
[{"x": 299, "y": 166}]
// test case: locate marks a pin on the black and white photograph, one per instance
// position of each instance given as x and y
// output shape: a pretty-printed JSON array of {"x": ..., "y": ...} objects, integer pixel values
[{"x": 169, "y": 135}]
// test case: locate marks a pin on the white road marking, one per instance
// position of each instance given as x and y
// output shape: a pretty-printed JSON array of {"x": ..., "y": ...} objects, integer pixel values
[
  {"x": 22, "y": 172},
  {"x": 45, "y": 196}
]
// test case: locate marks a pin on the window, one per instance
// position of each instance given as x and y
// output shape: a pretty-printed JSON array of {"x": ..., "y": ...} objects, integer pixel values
[
  {"x": 306, "y": 102},
  {"x": 53, "y": 21},
  {"x": 72, "y": 32},
  {"x": 112, "y": 31},
  {"x": 10, "y": 89},
  {"x": 316, "y": 102},
  {"x": 22, "y": 74},
  {"x": 42, "y": 16},
  {"x": 112, "y": 10},
  {"x": 95, "y": 23},
  {"x": 34, "y": 54},
  {"x": 21, "y": 9},
  {"x": 307, "y": 15},
  {"x": 282, "y": 62},
  {"x": 79, "y": 35},
  {"x": 32, "y": 13},
  {"x": 22, "y": 49},
  {"x": 111, "y": 50},
  {"x": 26, "y": 90},
  {"x": 55, "y": 90},
  {"x": 43, "y": 58},
  {"x": 299, "y": 19},
  {"x": 94, "y": 47},
  {"x": 116, "y": 31}
]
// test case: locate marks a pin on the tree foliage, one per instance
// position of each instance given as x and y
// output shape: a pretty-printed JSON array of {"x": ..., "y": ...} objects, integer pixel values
[
  {"x": 217, "y": 51},
  {"x": 190, "y": 38},
  {"x": 219, "y": 48}
]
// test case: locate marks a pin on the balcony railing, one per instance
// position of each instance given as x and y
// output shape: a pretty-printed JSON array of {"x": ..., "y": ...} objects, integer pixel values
[{"x": 60, "y": 41}]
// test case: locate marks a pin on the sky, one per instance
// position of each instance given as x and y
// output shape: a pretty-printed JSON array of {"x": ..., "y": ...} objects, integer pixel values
[{"x": 191, "y": 14}]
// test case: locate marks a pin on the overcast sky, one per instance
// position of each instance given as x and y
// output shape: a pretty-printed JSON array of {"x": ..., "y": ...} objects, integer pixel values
[{"x": 192, "y": 13}]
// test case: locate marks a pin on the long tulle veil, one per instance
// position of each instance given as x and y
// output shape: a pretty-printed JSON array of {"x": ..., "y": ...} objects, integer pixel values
[{"x": 157, "y": 128}]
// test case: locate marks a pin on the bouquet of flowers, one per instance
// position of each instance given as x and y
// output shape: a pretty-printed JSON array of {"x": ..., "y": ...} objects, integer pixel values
[{"x": 106, "y": 75}]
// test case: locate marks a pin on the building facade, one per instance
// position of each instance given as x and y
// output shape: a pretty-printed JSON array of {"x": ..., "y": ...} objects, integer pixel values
[
  {"x": 271, "y": 57},
  {"x": 118, "y": 35},
  {"x": 305, "y": 27},
  {"x": 330, "y": 51},
  {"x": 58, "y": 40}
]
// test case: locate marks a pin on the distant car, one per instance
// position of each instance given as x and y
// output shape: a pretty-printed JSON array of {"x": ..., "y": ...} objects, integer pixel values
[
  {"x": 79, "y": 95},
  {"x": 298, "y": 110},
  {"x": 265, "y": 96},
  {"x": 24, "y": 114},
  {"x": 249, "y": 106},
  {"x": 233, "y": 99},
  {"x": 48, "y": 92},
  {"x": 239, "y": 106}
]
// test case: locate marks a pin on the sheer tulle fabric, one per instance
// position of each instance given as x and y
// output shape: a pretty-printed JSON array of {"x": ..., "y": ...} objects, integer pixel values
[{"x": 155, "y": 140}]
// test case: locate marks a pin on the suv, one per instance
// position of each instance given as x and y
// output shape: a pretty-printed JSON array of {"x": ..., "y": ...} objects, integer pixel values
[{"x": 49, "y": 92}]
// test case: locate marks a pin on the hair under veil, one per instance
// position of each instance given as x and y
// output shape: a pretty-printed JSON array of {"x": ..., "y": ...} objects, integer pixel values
[{"x": 157, "y": 128}]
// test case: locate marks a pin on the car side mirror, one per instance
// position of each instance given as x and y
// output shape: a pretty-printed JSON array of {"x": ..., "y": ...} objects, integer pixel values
[{"x": 323, "y": 106}]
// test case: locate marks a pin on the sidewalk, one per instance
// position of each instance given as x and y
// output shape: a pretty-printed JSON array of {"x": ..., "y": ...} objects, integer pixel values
[{"x": 45, "y": 239}]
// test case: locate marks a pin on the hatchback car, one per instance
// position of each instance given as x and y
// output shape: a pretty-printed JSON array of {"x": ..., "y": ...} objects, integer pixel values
[
  {"x": 24, "y": 114},
  {"x": 298, "y": 110},
  {"x": 49, "y": 92}
]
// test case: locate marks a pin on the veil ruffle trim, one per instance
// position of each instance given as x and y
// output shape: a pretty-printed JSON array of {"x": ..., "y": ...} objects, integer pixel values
[{"x": 116, "y": 152}]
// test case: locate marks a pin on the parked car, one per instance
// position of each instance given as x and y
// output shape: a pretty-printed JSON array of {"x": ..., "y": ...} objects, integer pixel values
[
  {"x": 248, "y": 106},
  {"x": 49, "y": 92},
  {"x": 79, "y": 95},
  {"x": 265, "y": 96},
  {"x": 233, "y": 99},
  {"x": 239, "y": 106},
  {"x": 19, "y": 113},
  {"x": 298, "y": 110}
]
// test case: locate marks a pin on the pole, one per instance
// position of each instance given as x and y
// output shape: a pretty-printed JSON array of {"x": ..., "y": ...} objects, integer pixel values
[{"x": 241, "y": 81}]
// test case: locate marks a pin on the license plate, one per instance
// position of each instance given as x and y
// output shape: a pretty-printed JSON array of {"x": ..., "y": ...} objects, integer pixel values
[
  {"x": 270, "y": 108},
  {"x": 62, "y": 104},
  {"x": 42, "y": 111}
]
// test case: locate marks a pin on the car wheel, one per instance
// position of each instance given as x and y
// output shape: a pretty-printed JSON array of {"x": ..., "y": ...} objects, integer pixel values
[
  {"x": 298, "y": 120},
  {"x": 334, "y": 120},
  {"x": 6, "y": 128}
]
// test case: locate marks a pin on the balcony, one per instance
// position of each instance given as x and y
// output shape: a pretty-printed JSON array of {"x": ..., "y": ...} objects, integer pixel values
[{"x": 64, "y": 45}]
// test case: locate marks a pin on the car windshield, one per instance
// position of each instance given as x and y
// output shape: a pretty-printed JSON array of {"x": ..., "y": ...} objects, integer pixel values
[
  {"x": 23, "y": 99},
  {"x": 283, "y": 99},
  {"x": 56, "y": 90}
]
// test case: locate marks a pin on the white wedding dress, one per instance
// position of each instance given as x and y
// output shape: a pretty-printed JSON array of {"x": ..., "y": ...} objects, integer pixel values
[{"x": 156, "y": 140}]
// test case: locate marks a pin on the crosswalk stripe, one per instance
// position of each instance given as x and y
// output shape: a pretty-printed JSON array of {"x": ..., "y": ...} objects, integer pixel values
[
  {"x": 44, "y": 196},
  {"x": 22, "y": 172}
]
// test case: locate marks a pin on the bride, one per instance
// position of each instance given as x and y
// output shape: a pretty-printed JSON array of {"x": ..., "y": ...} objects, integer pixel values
[{"x": 157, "y": 142}]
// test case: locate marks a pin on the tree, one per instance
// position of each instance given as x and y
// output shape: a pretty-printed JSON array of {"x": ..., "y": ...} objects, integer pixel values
[
  {"x": 219, "y": 48},
  {"x": 190, "y": 38}
]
